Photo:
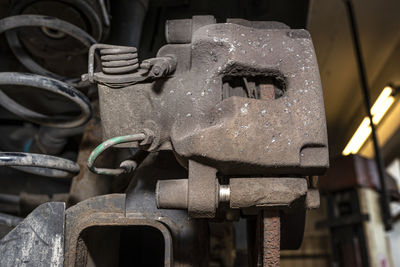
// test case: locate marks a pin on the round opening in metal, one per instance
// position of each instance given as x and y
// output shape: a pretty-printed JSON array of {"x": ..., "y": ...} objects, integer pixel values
[{"x": 52, "y": 33}]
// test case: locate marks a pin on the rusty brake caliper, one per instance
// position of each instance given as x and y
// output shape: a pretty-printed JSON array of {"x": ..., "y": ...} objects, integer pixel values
[{"x": 240, "y": 104}]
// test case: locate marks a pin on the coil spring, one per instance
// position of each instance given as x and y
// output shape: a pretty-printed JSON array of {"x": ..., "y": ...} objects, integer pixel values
[
  {"x": 118, "y": 59},
  {"x": 41, "y": 164}
]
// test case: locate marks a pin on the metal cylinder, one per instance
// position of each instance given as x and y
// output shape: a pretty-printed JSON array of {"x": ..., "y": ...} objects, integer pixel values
[
  {"x": 224, "y": 193},
  {"x": 172, "y": 194}
]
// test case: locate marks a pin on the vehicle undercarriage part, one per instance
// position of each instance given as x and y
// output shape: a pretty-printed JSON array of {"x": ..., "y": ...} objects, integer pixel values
[
  {"x": 50, "y": 85},
  {"x": 89, "y": 15},
  {"x": 38, "y": 161},
  {"x": 126, "y": 166},
  {"x": 120, "y": 66},
  {"x": 15, "y": 22},
  {"x": 54, "y": 141},
  {"x": 37, "y": 240},
  {"x": 42, "y": 164},
  {"x": 116, "y": 219},
  {"x": 42, "y": 49},
  {"x": 226, "y": 122},
  {"x": 240, "y": 106}
]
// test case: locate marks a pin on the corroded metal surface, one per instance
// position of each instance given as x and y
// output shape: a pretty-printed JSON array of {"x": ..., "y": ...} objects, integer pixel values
[
  {"x": 38, "y": 240},
  {"x": 264, "y": 192},
  {"x": 185, "y": 240},
  {"x": 237, "y": 135},
  {"x": 190, "y": 236},
  {"x": 271, "y": 240},
  {"x": 242, "y": 111},
  {"x": 205, "y": 193},
  {"x": 202, "y": 191},
  {"x": 108, "y": 210}
]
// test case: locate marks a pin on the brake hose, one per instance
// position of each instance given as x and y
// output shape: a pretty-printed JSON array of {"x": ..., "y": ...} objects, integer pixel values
[{"x": 126, "y": 166}]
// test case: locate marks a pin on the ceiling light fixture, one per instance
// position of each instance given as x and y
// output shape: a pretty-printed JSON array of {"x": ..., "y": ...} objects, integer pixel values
[{"x": 378, "y": 110}]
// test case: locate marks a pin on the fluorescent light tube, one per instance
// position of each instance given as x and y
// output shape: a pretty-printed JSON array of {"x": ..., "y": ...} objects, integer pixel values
[
  {"x": 378, "y": 110},
  {"x": 382, "y": 110},
  {"x": 359, "y": 138},
  {"x": 386, "y": 92}
]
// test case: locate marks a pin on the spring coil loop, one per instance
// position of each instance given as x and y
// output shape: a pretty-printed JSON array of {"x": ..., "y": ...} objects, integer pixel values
[
  {"x": 42, "y": 164},
  {"x": 119, "y": 59}
]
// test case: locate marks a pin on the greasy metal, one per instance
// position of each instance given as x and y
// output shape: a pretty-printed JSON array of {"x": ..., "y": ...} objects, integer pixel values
[
  {"x": 38, "y": 161},
  {"x": 235, "y": 135},
  {"x": 38, "y": 240},
  {"x": 108, "y": 210},
  {"x": 271, "y": 240},
  {"x": 18, "y": 21},
  {"x": 202, "y": 190},
  {"x": 50, "y": 85},
  {"x": 125, "y": 166}
]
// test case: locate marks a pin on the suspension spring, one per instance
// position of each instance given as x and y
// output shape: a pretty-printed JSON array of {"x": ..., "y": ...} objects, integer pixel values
[
  {"x": 15, "y": 22},
  {"x": 41, "y": 164}
]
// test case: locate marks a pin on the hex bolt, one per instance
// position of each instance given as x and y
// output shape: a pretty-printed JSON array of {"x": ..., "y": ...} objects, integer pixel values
[{"x": 156, "y": 70}]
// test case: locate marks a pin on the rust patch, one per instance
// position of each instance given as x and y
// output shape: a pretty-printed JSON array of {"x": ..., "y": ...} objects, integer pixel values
[
  {"x": 272, "y": 234},
  {"x": 267, "y": 91}
]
